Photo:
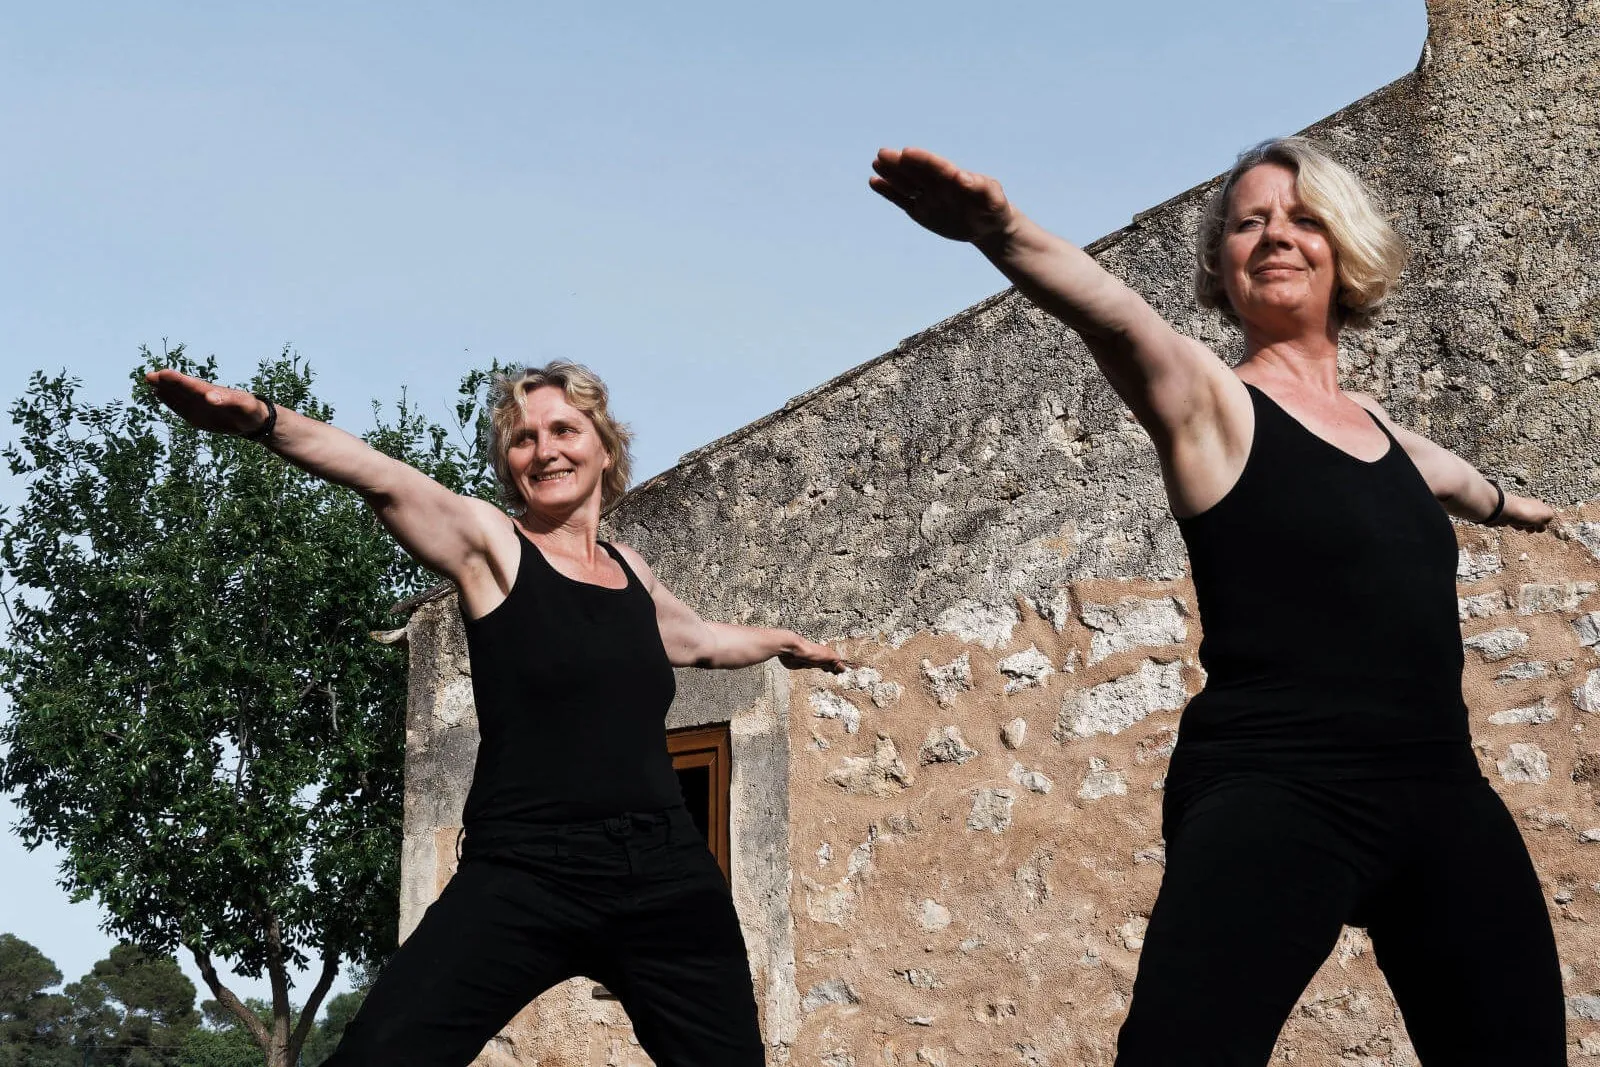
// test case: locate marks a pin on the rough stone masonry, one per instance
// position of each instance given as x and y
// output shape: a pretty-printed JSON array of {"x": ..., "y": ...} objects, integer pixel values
[{"x": 947, "y": 857}]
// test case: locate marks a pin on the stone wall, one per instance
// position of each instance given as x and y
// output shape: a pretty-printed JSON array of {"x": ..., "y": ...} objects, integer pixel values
[
  {"x": 975, "y": 512},
  {"x": 983, "y": 843}
]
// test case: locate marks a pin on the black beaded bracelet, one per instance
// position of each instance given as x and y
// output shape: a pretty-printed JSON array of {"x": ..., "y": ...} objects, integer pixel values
[
  {"x": 1499, "y": 504},
  {"x": 264, "y": 431}
]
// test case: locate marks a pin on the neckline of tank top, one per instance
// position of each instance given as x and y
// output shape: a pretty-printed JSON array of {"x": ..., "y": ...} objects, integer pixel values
[
  {"x": 1309, "y": 432},
  {"x": 1257, "y": 391},
  {"x": 627, "y": 571}
]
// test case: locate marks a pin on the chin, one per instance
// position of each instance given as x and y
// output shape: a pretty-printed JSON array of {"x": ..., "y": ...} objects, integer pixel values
[{"x": 557, "y": 496}]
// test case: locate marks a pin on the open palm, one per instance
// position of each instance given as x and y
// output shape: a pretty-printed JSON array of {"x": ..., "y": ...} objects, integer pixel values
[
  {"x": 207, "y": 405},
  {"x": 939, "y": 195}
]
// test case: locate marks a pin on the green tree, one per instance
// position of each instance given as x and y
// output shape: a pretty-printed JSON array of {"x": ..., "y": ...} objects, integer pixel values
[
  {"x": 200, "y": 719},
  {"x": 134, "y": 1009},
  {"x": 35, "y": 1025},
  {"x": 224, "y": 1041}
]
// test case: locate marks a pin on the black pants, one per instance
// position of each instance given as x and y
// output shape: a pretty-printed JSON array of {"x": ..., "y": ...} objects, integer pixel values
[
  {"x": 1261, "y": 874},
  {"x": 635, "y": 902}
]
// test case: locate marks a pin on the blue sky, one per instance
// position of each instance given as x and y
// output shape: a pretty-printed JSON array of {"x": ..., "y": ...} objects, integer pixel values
[{"x": 674, "y": 194}]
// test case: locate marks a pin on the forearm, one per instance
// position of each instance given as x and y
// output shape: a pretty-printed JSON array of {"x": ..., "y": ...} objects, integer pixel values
[
  {"x": 733, "y": 646},
  {"x": 333, "y": 455},
  {"x": 1063, "y": 279}
]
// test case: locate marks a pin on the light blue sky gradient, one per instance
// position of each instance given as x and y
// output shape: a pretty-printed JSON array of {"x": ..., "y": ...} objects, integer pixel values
[{"x": 674, "y": 194}]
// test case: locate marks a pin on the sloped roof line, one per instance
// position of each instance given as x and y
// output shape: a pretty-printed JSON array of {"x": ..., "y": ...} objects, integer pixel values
[{"x": 1094, "y": 248}]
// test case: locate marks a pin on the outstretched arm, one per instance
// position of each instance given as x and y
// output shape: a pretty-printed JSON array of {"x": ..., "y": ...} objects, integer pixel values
[
  {"x": 1167, "y": 379},
  {"x": 694, "y": 642},
  {"x": 1457, "y": 484},
  {"x": 446, "y": 533}
]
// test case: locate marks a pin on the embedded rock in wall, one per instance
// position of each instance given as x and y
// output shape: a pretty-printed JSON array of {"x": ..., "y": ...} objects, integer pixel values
[
  {"x": 1112, "y": 707},
  {"x": 1133, "y": 623}
]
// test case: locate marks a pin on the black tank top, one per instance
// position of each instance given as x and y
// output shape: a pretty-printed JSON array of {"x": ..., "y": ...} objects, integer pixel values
[
  {"x": 1327, "y": 597},
  {"x": 572, "y": 687}
]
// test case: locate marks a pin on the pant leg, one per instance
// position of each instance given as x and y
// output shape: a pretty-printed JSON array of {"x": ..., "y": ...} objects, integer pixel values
[
  {"x": 676, "y": 960},
  {"x": 1260, "y": 878},
  {"x": 1464, "y": 938},
  {"x": 495, "y": 939}
]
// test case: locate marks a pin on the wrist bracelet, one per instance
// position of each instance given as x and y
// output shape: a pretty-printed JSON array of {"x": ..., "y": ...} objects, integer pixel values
[
  {"x": 1499, "y": 504},
  {"x": 264, "y": 431}
]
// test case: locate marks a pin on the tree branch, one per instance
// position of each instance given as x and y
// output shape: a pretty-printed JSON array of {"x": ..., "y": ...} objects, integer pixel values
[
  {"x": 278, "y": 977},
  {"x": 308, "y": 1014},
  {"x": 226, "y": 998}
]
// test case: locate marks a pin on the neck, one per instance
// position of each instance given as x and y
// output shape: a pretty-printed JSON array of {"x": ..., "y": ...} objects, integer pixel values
[
  {"x": 575, "y": 533},
  {"x": 1309, "y": 356}
]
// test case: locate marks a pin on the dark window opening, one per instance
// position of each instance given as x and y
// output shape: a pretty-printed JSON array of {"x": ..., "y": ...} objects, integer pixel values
[
  {"x": 696, "y": 783},
  {"x": 703, "y": 759}
]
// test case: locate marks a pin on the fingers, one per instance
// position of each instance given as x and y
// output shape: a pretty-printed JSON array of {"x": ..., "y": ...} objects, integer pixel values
[
  {"x": 890, "y": 193},
  {"x": 893, "y": 182},
  {"x": 932, "y": 168},
  {"x": 913, "y": 170}
]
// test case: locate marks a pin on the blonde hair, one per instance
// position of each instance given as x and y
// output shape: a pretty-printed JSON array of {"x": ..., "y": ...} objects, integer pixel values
[
  {"x": 586, "y": 392},
  {"x": 1368, "y": 254}
]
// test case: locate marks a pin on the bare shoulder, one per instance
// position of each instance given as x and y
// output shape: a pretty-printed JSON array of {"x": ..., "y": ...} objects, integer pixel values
[
  {"x": 637, "y": 562},
  {"x": 1370, "y": 402},
  {"x": 1419, "y": 447}
]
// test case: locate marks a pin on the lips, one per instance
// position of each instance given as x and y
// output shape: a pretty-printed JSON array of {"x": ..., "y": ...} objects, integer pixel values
[
  {"x": 551, "y": 476},
  {"x": 1268, "y": 267}
]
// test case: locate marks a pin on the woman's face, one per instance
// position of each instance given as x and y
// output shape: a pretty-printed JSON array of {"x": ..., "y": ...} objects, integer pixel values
[
  {"x": 557, "y": 459},
  {"x": 1276, "y": 259}
]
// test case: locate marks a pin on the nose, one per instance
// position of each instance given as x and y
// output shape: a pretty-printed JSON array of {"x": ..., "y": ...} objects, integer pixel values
[
  {"x": 1277, "y": 228},
  {"x": 544, "y": 448}
]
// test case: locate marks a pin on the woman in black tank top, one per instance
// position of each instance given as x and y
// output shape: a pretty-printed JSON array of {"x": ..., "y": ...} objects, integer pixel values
[
  {"x": 1325, "y": 775},
  {"x": 579, "y": 855}
]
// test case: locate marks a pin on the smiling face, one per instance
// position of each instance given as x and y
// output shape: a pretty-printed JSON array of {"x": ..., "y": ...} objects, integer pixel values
[
  {"x": 1276, "y": 260},
  {"x": 557, "y": 458}
]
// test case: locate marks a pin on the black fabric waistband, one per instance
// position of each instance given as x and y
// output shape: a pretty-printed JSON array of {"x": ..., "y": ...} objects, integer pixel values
[
  {"x": 1428, "y": 761},
  {"x": 559, "y": 838}
]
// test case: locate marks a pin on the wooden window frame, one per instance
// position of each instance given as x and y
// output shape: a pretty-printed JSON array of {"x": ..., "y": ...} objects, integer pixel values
[{"x": 710, "y": 747}]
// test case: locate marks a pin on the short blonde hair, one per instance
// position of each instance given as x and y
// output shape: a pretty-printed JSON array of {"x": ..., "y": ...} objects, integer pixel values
[
  {"x": 586, "y": 392},
  {"x": 1368, "y": 254}
]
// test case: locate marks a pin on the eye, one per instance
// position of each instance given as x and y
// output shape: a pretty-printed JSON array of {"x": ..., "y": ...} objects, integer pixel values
[
  {"x": 1309, "y": 221},
  {"x": 1248, "y": 224}
]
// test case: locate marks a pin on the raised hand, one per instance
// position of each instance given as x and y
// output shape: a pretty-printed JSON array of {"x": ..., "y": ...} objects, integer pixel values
[
  {"x": 811, "y": 654},
  {"x": 940, "y": 196},
  {"x": 207, "y": 405}
]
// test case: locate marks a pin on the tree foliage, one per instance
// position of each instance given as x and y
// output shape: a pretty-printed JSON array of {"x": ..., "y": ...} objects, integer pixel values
[
  {"x": 134, "y": 1009},
  {"x": 34, "y": 1023},
  {"x": 136, "y": 1004},
  {"x": 200, "y": 719}
]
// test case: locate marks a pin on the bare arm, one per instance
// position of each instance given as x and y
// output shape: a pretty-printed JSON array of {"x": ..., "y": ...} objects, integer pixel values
[
  {"x": 694, "y": 642},
  {"x": 446, "y": 533},
  {"x": 1171, "y": 382},
  {"x": 1457, "y": 484}
]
